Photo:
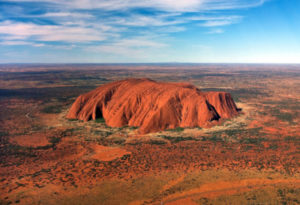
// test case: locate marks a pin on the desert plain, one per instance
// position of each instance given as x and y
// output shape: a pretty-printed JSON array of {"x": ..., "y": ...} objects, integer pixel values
[{"x": 251, "y": 158}]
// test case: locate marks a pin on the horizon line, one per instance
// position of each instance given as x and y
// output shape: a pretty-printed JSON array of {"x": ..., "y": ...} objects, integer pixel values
[{"x": 148, "y": 63}]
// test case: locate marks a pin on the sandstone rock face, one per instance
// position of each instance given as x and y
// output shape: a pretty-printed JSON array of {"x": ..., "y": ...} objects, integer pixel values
[{"x": 152, "y": 106}]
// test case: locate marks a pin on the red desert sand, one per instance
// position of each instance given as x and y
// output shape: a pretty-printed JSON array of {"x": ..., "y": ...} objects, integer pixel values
[
  {"x": 103, "y": 153},
  {"x": 153, "y": 106}
]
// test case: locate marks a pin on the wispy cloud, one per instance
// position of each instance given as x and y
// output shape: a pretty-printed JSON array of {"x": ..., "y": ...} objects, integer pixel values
[
  {"x": 165, "y": 5},
  {"x": 65, "y": 14},
  {"x": 216, "y": 23},
  {"x": 113, "y": 26},
  {"x": 127, "y": 44},
  {"x": 216, "y": 31},
  {"x": 214, "y": 17},
  {"x": 139, "y": 42},
  {"x": 16, "y": 30},
  {"x": 142, "y": 20},
  {"x": 18, "y": 43},
  {"x": 141, "y": 48}
]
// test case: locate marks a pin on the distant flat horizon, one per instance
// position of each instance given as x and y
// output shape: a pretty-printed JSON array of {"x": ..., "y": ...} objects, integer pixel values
[
  {"x": 148, "y": 63},
  {"x": 209, "y": 67}
]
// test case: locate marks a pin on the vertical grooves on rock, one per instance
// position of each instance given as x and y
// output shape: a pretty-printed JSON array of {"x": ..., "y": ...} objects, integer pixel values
[{"x": 153, "y": 106}]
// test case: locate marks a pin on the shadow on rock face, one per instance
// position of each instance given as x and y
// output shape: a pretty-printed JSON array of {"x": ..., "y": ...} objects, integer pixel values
[{"x": 153, "y": 106}]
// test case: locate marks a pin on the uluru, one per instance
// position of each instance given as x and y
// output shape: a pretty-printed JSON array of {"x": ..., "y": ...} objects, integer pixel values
[{"x": 153, "y": 106}]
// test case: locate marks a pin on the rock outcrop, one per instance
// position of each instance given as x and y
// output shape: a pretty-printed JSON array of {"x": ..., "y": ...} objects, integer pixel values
[{"x": 152, "y": 106}]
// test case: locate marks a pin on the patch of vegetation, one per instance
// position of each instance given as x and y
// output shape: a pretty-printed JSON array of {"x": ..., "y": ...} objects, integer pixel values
[
  {"x": 69, "y": 132},
  {"x": 40, "y": 172},
  {"x": 127, "y": 127},
  {"x": 236, "y": 132},
  {"x": 2, "y": 134},
  {"x": 290, "y": 104},
  {"x": 271, "y": 195},
  {"x": 102, "y": 133},
  {"x": 2, "y": 202},
  {"x": 54, "y": 140},
  {"x": 100, "y": 120},
  {"x": 214, "y": 138},
  {"x": 22, "y": 151},
  {"x": 17, "y": 150},
  {"x": 292, "y": 138},
  {"x": 116, "y": 141},
  {"x": 134, "y": 142},
  {"x": 197, "y": 76},
  {"x": 45, "y": 147},
  {"x": 288, "y": 117},
  {"x": 177, "y": 139},
  {"x": 255, "y": 141},
  {"x": 20, "y": 184},
  {"x": 36, "y": 127},
  {"x": 46, "y": 94},
  {"x": 133, "y": 128},
  {"x": 120, "y": 192},
  {"x": 283, "y": 116},
  {"x": 273, "y": 146},
  {"x": 39, "y": 186},
  {"x": 156, "y": 142},
  {"x": 52, "y": 109},
  {"x": 177, "y": 129}
]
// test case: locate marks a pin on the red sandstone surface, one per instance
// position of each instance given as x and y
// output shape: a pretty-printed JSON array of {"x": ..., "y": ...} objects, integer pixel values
[{"x": 152, "y": 106}]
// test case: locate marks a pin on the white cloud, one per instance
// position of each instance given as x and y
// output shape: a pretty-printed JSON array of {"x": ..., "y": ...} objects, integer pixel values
[
  {"x": 138, "y": 47},
  {"x": 165, "y": 5},
  {"x": 66, "y": 14},
  {"x": 20, "y": 43},
  {"x": 231, "y": 4},
  {"x": 171, "y": 29},
  {"x": 216, "y": 31},
  {"x": 140, "y": 20},
  {"x": 16, "y": 30},
  {"x": 168, "y": 5},
  {"x": 139, "y": 42},
  {"x": 216, "y": 23},
  {"x": 214, "y": 18},
  {"x": 213, "y": 21},
  {"x": 82, "y": 22}
]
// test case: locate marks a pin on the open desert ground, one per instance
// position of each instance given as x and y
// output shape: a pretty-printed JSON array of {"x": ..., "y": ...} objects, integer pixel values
[{"x": 46, "y": 158}]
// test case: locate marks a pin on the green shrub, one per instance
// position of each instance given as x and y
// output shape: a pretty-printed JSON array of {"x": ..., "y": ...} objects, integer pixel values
[
  {"x": 177, "y": 139},
  {"x": 51, "y": 109},
  {"x": 2, "y": 134},
  {"x": 292, "y": 138},
  {"x": 177, "y": 129},
  {"x": 54, "y": 140},
  {"x": 157, "y": 142},
  {"x": 100, "y": 120},
  {"x": 255, "y": 141}
]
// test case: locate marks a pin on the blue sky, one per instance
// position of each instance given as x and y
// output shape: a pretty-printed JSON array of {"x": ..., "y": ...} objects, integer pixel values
[{"x": 141, "y": 31}]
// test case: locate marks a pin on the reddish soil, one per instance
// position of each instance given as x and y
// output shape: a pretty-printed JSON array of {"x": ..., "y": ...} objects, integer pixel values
[
  {"x": 43, "y": 153},
  {"x": 32, "y": 140},
  {"x": 72, "y": 163},
  {"x": 152, "y": 106},
  {"x": 103, "y": 153},
  {"x": 211, "y": 190}
]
